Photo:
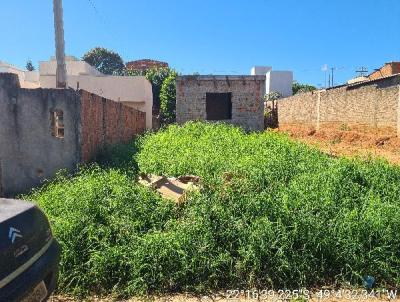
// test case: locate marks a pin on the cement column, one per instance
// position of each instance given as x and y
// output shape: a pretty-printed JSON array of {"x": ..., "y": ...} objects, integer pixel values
[
  {"x": 61, "y": 73},
  {"x": 318, "y": 109},
  {"x": 398, "y": 111}
]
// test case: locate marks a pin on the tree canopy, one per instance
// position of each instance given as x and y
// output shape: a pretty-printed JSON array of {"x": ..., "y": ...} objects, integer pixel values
[
  {"x": 300, "y": 88},
  {"x": 29, "y": 66},
  {"x": 156, "y": 76},
  {"x": 104, "y": 60}
]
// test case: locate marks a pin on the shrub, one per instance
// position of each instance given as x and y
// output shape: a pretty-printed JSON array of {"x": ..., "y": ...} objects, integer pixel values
[
  {"x": 272, "y": 213},
  {"x": 168, "y": 99}
]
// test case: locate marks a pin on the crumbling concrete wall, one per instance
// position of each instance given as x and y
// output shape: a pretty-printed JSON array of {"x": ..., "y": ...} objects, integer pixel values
[
  {"x": 247, "y": 94},
  {"x": 29, "y": 152}
]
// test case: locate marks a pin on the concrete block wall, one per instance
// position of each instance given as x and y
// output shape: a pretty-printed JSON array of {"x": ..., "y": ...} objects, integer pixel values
[
  {"x": 373, "y": 104},
  {"x": 105, "y": 122},
  {"x": 29, "y": 153},
  {"x": 247, "y": 98}
]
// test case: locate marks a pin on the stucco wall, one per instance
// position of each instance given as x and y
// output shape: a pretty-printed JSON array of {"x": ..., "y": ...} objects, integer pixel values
[
  {"x": 247, "y": 98},
  {"x": 105, "y": 122},
  {"x": 373, "y": 104},
  {"x": 29, "y": 153}
]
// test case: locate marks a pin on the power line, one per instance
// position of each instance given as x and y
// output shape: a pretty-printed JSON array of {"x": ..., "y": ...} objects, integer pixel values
[{"x": 102, "y": 20}]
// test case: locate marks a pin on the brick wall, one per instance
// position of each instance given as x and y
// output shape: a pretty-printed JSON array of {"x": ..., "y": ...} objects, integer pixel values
[
  {"x": 373, "y": 104},
  {"x": 247, "y": 98},
  {"x": 106, "y": 122}
]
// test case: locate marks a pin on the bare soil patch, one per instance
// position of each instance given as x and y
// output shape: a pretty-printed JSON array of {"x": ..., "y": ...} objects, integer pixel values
[{"x": 349, "y": 140}]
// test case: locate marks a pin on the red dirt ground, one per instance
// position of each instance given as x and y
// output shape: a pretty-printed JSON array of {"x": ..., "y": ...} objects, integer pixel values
[{"x": 350, "y": 141}]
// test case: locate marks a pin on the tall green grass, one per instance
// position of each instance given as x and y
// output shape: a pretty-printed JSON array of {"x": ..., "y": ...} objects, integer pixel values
[{"x": 272, "y": 213}]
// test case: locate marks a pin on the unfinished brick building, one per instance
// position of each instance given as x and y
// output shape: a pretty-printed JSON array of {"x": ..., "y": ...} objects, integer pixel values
[
  {"x": 45, "y": 130},
  {"x": 236, "y": 100}
]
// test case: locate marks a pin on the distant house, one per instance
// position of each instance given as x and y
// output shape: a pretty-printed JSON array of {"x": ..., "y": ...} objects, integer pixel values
[
  {"x": 275, "y": 80},
  {"x": 145, "y": 64},
  {"x": 386, "y": 70},
  {"x": 27, "y": 79}
]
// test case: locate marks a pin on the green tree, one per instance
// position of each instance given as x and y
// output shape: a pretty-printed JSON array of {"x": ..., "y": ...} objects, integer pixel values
[
  {"x": 168, "y": 99},
  {"x": 104, "y": 60},
  {"x": 300, "y": 88},
  {"x": 29, "y": 66},
  {"x": 156, "y": 76}
]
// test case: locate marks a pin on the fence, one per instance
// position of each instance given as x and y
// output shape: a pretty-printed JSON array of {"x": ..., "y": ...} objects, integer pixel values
[{"x": 373, "y": 103}]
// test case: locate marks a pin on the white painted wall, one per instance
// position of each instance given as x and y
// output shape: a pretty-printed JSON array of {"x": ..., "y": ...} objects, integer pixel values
[
  {"x": 276, "y": 80},
  {"x": 74, "y": 67},
  {"x": 279, "y": 81},
  {"x": 135, "y": 91},
  {"x": 260, "y": 70},
  {"x": 27, "y": 79}
]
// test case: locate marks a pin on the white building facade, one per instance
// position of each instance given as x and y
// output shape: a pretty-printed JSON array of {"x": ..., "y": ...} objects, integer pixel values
[{"x": 276, "y": 80}]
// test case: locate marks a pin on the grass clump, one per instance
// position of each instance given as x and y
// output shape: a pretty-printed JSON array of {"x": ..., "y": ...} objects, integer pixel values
[{"x": 272, "y": 213}]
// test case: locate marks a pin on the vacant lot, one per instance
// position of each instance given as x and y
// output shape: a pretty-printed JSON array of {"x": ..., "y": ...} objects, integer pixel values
[{"x": 271, "y": 213}]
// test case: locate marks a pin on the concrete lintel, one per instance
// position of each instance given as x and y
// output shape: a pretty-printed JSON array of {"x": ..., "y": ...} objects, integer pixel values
[{"x": 221, "y": 77}]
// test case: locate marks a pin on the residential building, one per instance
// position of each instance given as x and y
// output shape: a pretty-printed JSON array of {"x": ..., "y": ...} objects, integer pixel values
[
  {"x": 276, "y": 80},
  {"x": 145, "y": 64},
  {"x": 386, "y": 70},
  {"x": 27, "y": 79}
]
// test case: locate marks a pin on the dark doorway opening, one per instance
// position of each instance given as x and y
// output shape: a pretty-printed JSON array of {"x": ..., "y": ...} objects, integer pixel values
[{"x": 219, "y": 106}]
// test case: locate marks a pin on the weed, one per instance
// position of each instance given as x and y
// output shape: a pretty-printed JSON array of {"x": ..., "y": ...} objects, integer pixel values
[{"x": 272, "y": 214}]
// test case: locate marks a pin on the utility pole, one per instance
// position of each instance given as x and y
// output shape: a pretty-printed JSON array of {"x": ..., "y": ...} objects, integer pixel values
[
  {"x": 332, "y": 69},
  {"x": 61, "y": 72},
  {"x": 325, "y": 69},
  {"x": 361, "y": 71}
]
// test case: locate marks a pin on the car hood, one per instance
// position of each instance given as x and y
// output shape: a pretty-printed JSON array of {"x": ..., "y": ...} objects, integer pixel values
[{"x": 24, "y": 234}]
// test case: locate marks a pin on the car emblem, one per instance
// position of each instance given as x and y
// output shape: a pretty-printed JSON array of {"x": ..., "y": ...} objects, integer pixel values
[
  {"x": 13, "y": 233},
  {"x": 21, "y": 250}
]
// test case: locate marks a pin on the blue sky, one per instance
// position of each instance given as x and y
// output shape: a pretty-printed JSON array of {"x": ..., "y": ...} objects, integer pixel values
[{"x": 213, "y": 36}]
